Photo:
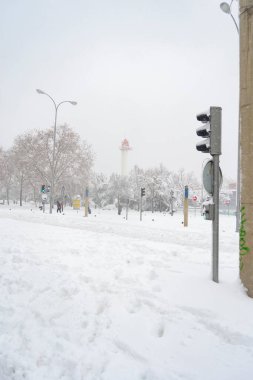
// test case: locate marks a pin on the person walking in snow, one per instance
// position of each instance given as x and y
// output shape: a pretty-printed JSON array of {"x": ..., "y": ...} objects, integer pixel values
[{"x": 58, "y": 207}]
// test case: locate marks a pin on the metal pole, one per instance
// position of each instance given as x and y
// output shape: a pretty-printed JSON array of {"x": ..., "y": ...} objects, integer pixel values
[
  {"x": 53, "y": 163},
  {"x": 153, "y": 195},
  {"x": 238, "y": 149},
  {"x": 186, "y": 193},
  {"x": 62, "y": 197},
  {"x": 235, "y": 22},
  {"x": 54, "y": 139},
  {"x": 86, "y": 206},
  {"x": 141, "y": 209},
  {"x": 127, "y": 208},
  {"x": 215, "y": 222}
]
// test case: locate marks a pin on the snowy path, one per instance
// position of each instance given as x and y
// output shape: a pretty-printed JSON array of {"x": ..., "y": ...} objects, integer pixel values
[{"x": 104, "y": 298}]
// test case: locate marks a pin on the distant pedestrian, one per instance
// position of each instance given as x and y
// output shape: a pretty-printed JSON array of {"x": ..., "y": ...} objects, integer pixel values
[{"x": 58, "y": 207}]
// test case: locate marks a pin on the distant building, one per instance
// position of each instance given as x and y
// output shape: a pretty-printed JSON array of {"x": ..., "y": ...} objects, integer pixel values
[{"x": 124, "y": 156}]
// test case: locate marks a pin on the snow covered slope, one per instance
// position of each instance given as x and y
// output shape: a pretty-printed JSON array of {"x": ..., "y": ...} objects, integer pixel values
[{"x": 104, "y": 298}]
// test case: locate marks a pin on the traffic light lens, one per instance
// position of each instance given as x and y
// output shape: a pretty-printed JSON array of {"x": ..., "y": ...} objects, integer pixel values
[
  {"x": 203, "y": 146},
  {"x": 203, "y": 131},
  {"x": 203, "y": 117}
]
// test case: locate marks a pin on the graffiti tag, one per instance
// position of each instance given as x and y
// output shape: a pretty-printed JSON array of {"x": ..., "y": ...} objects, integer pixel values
[{"x": 244, "y": 249}]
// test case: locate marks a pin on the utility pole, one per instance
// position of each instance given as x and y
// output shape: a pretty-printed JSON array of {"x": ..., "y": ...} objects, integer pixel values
[{"x": 246, "y": 144}]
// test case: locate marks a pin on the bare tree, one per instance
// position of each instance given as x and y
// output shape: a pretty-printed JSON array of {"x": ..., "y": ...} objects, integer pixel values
[
  {"x": 99, "y": 184},
  {"x": 6, "y": 171},
  {"x": 33, "y": 153}
]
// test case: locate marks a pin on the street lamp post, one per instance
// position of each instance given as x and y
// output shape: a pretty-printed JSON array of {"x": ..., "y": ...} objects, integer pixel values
[
  {"x": 56, "y": 106},
  {"x": 226, "y": 8}
]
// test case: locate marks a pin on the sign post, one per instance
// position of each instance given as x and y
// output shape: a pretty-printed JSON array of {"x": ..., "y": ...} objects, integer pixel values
[
  {"x": 86, "y": 202},
  {"x": 195, "y": 198},
  {"x": 227, "y": 203},
  {"x": 186, "y": 194},
  {"x": 142, "y": 195},
  {"x": 43, "y": 196},
  {"x": 44, "y": 199}
]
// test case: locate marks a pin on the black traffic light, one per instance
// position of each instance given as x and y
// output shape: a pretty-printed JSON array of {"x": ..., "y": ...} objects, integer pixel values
[
  {"x": 43, "y": 188},
  {"x": 210, "y": 130},
  {"x": 142, "y": 191}
]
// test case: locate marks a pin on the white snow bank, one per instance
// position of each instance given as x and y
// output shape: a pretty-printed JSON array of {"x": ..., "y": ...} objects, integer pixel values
[{"x": 113, "y": 299}]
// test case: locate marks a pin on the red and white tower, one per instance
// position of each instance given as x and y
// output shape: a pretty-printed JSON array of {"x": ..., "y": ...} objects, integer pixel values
[{"x": 124, "y": 154}]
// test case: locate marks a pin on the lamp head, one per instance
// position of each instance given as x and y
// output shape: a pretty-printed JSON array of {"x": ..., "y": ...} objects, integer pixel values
[
  {"x": 225, "y": 7},
  {"x": 39, "y": 91},
  {"x": 73, "y": 103}
]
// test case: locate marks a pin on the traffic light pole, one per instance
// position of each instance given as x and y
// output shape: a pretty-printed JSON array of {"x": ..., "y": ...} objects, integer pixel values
[
  {"x": 211, "y": 131},
  {"x": 215, "y": 222}
]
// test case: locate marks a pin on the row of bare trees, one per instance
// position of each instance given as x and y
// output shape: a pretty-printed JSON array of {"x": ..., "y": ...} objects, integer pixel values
[
  {"x": 28, "y": 164},
  {"x": 161, "y": 185}
]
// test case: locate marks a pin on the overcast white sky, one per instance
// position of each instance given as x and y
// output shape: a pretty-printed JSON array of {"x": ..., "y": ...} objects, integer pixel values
[{"x": 139, "y": 69}]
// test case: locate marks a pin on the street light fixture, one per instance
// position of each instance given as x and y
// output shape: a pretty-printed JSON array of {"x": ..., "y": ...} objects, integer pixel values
[
  {"x": 56, "y": 106},
  {"x": 226, "y": 8}
]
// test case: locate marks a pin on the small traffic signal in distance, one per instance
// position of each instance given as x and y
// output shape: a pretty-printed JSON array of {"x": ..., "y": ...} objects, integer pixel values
[
  {"x": 43, "y": 188},
  {"x": 143, "y": 191}
]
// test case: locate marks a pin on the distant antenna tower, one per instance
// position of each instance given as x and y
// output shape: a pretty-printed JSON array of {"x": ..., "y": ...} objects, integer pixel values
[{"x": 124, "y": 156}]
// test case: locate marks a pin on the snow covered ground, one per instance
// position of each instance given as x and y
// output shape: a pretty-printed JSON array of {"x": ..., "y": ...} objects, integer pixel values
[{"x": 105, "y": 298}]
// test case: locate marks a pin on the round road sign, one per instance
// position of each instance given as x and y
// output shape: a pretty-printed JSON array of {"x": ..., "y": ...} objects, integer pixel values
[
  {"x": 208, "y": 177},
  {"x": 44, "y": 197}
]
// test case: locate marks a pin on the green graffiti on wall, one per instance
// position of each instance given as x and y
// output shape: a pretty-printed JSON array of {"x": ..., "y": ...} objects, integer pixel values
[{"x": 244, "y": 250}]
